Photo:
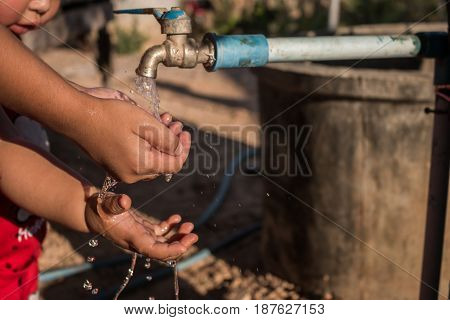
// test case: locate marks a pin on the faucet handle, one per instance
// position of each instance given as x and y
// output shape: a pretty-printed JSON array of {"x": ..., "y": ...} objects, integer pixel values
[
  {"x": 157, "y": 12},
  {"x": 173, "y": 22}
]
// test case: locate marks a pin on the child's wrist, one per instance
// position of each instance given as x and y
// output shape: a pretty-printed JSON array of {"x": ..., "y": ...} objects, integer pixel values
[{"x": 83, "y": 115}]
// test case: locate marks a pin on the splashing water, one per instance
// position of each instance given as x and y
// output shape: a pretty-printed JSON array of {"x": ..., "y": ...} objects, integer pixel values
[
  {"x": 147, "y": 88},
  {"x": 128, "y": 277},
  {"x": 87, "y": 285},
  {"x": 147, "y": 264},
  {"x": 108, "y": 184},
  {"x": 173, "y": 264},
  {"x": 93, "y": 243},
  {"x": 175, "y": 280},
  {"x": 90, "y": 259},
  {"x": 94, "y": 291}
]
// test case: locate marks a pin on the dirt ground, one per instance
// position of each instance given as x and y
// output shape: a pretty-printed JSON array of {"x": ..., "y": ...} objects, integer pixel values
[{"x": 205, "y": 103}]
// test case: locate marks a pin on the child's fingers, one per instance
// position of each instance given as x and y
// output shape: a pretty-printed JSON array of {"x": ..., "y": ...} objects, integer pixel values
[
  {"x": 164, "y": 163},
  {"x": 188, "y": 240},
  {"x": 167, "y": 225},
  {"x": 158, "y": 135},
  {"x": 163, "y": 251},
  {"x": 116, "y": 204},
  {"x": 176, "y": 127},
  {"x": 150, "y": 177},
  {"x": 184, "y": 229},
  {"x": 166, "y": 118}
]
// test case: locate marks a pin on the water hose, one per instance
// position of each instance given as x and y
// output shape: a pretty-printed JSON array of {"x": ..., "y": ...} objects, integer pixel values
[{"x": 224, "y": 187}]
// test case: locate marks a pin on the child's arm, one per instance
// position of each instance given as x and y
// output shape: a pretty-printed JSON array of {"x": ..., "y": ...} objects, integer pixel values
[
  {"x": 39, "y": 185},
  {"x": 30, "y": 87},
  {"x": 102, "y": 93}
]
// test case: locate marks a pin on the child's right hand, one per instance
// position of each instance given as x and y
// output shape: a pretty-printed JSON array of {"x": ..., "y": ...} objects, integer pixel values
[
  {"x": 131, "y": 143},
  {"x": 114, "y": 219}
]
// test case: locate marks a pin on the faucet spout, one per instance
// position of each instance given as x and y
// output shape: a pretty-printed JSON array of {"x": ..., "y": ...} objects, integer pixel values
[{"x": 148, "y": 67}]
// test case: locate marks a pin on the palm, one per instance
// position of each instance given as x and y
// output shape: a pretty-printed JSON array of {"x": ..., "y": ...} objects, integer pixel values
[{"x": 134, "y": 231}]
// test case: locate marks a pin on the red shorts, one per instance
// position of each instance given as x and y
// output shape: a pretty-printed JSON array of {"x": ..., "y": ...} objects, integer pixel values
[{"x": 21, "y": 236}]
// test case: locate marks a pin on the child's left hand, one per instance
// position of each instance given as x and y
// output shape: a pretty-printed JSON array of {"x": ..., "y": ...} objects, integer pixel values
[{"x": 114, "y": 219}]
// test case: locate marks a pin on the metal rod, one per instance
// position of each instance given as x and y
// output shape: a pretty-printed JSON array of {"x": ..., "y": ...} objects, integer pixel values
[
  {"x": 334, "y": 15},
  {"x": 437, "y": 202},
  {"x": 342, "y": 48},
  {"x": 438, "y": 185}
]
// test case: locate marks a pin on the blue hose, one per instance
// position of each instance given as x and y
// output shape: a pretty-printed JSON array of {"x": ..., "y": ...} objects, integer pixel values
[
  {"x": 224, "y": 187},
  {"x": 53, "y": 275}
]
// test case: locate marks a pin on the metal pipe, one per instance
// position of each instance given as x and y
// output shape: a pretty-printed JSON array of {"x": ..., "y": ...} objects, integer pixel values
[
  {"x": 238, "y": 51},
  {"x": 148, "y": 67},
  {"x": 342, "y": 48},
  {"x": 437, "y": 202},
  {"x": 334, "y": 15},
  {"x": 439, "y": 179}
]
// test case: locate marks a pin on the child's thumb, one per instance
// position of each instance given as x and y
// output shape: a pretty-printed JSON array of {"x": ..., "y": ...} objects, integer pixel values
[{"x": 116, "y": 204}]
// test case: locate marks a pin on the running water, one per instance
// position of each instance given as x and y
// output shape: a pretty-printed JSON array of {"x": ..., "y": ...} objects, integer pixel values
[
  {"x": 128, "y": 277},
  {"x": 108, "y": 184},
  {"x": 173, "y": 265},
  {"x": 175, "y": 280},
  {"x": 147, "y": 88}
]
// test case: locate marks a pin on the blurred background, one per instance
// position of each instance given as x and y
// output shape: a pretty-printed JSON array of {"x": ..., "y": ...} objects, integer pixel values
[{"x": 284, "y": 237}]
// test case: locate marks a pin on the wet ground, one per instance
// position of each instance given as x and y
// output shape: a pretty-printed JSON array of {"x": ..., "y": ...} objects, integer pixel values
[{"x": 212, "y": 106}]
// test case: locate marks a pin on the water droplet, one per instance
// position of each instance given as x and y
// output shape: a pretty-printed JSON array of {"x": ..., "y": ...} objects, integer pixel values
[
  {"x": 239, "y": 205},
  {"x": 90, "y": 259},
  {"x": 193, "y": 205},
  {"x": 151, "y": 298},
  {"x": 171, "y": 263},
  {"x": 93, "y": 243},
  {"x": 201, "y": 192},
  {"x": 207, "y": 176},
  {"x": 268, "y": 194},
  {"x": 94, "y": 291},
  {"x": 87, "y": 285},
  {"x": 147, "y": 264},
  {"x": 149, "y": 278}
]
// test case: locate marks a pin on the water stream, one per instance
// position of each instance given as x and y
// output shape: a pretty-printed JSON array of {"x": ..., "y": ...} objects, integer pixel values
[{"x": 146, "y": 87}]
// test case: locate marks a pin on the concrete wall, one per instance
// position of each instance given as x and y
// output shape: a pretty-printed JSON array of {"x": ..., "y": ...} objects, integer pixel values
[{"x": 355, "y": 227}]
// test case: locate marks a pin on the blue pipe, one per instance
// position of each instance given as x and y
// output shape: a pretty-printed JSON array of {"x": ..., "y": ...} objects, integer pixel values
[{"x": 238, "y": 51}]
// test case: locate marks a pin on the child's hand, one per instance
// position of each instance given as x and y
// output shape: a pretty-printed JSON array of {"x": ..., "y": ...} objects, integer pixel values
[{"x": 114, "y": 219}]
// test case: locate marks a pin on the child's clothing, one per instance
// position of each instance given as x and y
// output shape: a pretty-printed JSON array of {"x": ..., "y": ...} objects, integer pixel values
[{"x": 21, "y": 234}]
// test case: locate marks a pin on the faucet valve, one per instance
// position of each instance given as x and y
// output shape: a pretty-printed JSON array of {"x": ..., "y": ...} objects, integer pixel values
[{"x": 178, "y": 50}]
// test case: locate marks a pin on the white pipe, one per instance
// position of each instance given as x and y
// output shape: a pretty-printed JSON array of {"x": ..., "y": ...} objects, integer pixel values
[
  {"x": 334, "y": 15},
  {"x": 342, "y": 48}
]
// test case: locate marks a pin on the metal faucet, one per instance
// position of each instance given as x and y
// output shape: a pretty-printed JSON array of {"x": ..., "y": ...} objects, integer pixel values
[
  {"x": 242, "y": 51},
  {"x": 178, "y": 50}
]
